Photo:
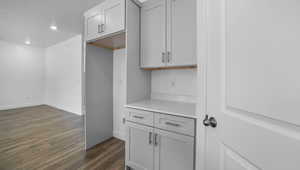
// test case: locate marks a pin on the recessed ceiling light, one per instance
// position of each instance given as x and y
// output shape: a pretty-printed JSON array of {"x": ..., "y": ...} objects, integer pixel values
[
  {"x": 53, "y": 27},
  {"x": 27, "y": 42}
]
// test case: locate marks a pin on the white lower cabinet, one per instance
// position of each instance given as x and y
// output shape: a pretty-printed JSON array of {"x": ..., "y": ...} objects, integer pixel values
[
  {"x": 139, "y": 147},
  {"x": 151, "y": 148},
  {"x": 173, "y": 151}
]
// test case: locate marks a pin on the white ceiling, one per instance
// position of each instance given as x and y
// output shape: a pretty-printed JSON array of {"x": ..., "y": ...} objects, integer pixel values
[{"x": 30, "y": 19}]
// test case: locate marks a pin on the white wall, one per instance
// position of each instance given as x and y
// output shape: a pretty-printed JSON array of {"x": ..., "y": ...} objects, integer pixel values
[
  {"x": 119, "y": 94},
  {"x": 176, "y": 85},
  {"x": 99, "y": 95},
  {"x": 63, "y": 75},
  {"x": 21, "y": 75}
]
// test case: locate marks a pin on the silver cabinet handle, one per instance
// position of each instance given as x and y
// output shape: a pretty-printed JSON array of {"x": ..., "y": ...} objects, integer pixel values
[
  {"x": 100, "y": 28},
  {"x": 138, "y": 117},
  {"x": 155, "y": 139},
  {"x": 150, "y": 138},
  {"x": 172, "y": 124},
  {"x": 168, "y": 56},
  {"x": 163, "y": 56}
]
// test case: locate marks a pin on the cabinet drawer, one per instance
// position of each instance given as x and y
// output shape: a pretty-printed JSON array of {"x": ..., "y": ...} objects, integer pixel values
[
  {"x": 140, "y": 116},
  {"x": 176, "y": 124}
]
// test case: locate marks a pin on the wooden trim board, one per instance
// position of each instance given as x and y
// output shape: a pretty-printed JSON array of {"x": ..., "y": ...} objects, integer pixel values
[
  {"x": 113, "y": 42},
  {"x": 172, "y": 67}
]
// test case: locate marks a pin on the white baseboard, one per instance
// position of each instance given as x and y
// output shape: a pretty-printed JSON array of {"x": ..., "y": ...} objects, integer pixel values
[
  {"x": 60, "y": 108},
  {"x": 7, "y": 107},
  {"x": 119, "y": 135}
]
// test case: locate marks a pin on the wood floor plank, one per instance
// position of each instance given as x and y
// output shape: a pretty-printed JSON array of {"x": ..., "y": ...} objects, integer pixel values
[{"x": 47, "y": 138}]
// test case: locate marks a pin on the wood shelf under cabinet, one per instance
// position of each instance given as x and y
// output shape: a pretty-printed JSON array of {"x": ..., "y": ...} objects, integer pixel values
[
  {"x": 112, "y": 42},
  {"x": 172, "y": 68}
]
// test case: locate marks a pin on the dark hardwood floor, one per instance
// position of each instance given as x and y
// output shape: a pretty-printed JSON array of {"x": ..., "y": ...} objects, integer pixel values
[{"x": 46, "y": 138}]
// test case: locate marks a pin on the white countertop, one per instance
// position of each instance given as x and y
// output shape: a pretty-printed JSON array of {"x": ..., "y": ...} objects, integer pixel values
[{"x": 167, "y": 107}]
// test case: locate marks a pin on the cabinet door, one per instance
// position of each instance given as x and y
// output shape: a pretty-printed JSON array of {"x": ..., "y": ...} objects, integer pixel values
[
  {"x": 114, "y": 16},
  {"x": 153, "y": 33},
  {"x": 181, "y": 32},
  {"x": 173, "y": 151},
  {"x": 93, "y": 26},
  {"x": 139, "y": 147}
]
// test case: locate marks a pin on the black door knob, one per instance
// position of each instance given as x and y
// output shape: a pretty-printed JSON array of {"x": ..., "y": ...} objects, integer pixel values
[
  {"x": 210, "y": 121},
  {"x": 206, "y": 121}
]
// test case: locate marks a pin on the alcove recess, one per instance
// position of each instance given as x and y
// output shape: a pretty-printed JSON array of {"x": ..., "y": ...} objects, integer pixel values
[
  {"x": 99, "y": 49},
  {"x": 114, "y": 42}
]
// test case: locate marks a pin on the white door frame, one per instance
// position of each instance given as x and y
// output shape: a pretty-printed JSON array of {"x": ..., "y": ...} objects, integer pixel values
[{"x": 202, "y": 39}]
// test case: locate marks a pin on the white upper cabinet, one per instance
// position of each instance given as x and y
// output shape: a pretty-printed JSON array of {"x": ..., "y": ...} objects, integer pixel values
[
  {"x": 114, "y": 16},
  {"x": 168, "y": 33},
  {"x": 153, "y": 34},
  {"x": 105, "y": 19},
  {"x": 181, "y": 32},
  {"x": 93, "y": 24}
]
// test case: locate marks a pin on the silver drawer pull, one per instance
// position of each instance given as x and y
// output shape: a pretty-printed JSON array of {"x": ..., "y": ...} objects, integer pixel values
[
  {"x": 99, "y": 28},
  {"x": 163, "y": 56},
  {"x": 168, "y": 56},
  {"x": 150, "y": 138},
  {"x": 138, "y": 117},
  {"x": 172, "y": 124},
  {"x": 102, "y": 27},
  {"x": 155, "y": 139}
]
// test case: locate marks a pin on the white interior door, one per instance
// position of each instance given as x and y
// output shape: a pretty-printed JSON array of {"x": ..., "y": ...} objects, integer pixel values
[
  {"x": 153, "y": 33},
  {"x": 253, "y": 85}
]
